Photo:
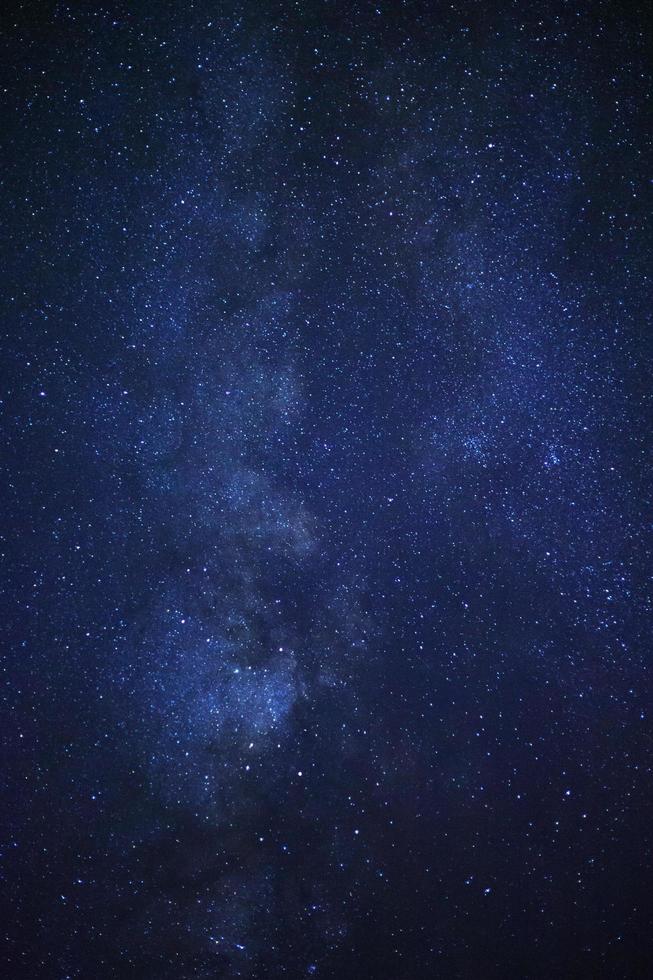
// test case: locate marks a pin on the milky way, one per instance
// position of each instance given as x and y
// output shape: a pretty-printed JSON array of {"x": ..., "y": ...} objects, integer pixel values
[{"x": 326, "y": 479}]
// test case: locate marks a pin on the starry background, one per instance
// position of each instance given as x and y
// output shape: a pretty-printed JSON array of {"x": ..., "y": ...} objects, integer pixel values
[{"x": 326, "y": 551}]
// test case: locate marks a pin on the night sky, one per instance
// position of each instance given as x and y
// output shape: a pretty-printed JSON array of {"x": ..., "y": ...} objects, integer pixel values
[{"x": 326, "y": 539}]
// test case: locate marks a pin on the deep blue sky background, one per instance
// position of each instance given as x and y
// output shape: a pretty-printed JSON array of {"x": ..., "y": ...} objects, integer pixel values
[{"x": 326, "y": 490}]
